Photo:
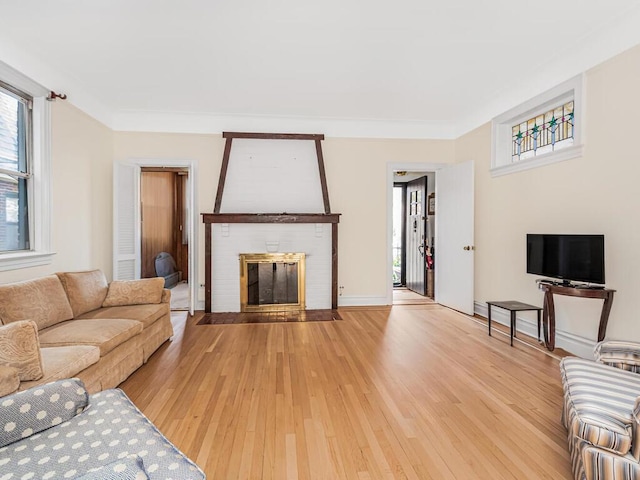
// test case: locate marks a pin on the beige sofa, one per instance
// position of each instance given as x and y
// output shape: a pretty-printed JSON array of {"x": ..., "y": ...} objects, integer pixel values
[{"x": 75, "y": 324}]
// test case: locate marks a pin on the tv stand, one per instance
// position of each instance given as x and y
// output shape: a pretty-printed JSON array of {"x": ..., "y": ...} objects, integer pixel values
[{"x": 548, "y": 308}]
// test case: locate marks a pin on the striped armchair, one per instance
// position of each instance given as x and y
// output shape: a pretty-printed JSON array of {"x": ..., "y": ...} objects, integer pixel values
[{"x": 601, "y": 412}]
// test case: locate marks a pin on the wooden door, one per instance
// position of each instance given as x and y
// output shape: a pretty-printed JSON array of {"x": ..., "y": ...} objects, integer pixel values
[
  {"x": 416, "y": 235},
  {"x": 158, "y": 222},
  {"x": 182, "y": 216}
]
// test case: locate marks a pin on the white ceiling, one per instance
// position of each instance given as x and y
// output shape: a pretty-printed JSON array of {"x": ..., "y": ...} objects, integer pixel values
[{"x": 410, "y": 68}]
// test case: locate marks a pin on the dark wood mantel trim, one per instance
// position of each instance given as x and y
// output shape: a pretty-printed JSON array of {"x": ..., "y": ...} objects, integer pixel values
[
  {"x": 278, "y": 218},
  {"x": 274, "y": 136},
  {"x": 271, "y": 217}
]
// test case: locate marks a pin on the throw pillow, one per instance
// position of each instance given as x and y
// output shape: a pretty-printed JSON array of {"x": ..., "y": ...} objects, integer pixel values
[
  {"x": 86, "y": 290},
  {"x": 42, "y": 300},
  {"x": 9, "y": 380},
  {"x": 134, "y": 292},
  {"x": 25, "y": 413},
  {"x": 20, "y": 349}
]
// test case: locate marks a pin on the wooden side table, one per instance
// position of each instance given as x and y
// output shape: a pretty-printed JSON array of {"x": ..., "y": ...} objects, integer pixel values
[
  {"x": 549, "y": 315},
  {"x": 513, "y": 307}
]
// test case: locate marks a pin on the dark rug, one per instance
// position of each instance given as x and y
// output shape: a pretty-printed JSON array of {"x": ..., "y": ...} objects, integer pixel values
[{"x": 232, "y": 318}]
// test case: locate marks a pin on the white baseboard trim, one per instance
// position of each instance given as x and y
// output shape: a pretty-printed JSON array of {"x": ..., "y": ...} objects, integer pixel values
[
  {"x": 580, "y": 346},
  {"x": 362, "y": 301}
]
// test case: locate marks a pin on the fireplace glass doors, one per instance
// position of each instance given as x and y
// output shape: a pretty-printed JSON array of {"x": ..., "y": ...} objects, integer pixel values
[{"x": 272, "y": 281}]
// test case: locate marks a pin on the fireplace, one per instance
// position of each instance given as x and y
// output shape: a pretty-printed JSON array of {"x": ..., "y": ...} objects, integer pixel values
[
  {"x": 272, "y": 281},
  {"x": 266, "y": 178}
]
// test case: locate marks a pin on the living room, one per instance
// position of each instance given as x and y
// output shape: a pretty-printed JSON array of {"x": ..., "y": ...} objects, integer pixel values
[{"x": 592, "y": 193}]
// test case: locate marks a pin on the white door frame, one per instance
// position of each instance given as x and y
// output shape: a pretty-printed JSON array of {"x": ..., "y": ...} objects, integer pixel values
[
  {"x": 410, "y": 167},
  {"x": 191, "y": 167}
]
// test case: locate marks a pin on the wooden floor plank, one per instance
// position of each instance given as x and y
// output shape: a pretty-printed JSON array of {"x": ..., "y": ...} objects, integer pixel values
[{"x": 405, "y": 392}]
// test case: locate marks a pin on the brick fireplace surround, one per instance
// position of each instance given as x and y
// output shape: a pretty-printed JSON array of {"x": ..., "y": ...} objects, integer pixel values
[{"x": 221, "y": 222}]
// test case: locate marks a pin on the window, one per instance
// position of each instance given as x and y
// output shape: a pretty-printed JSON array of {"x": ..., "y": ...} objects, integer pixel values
[
  {"x": 548, "y": 132},
  {"x": 15, "y": 141},
  {"x": 544, "y": 130},
  {"x": 24, "y": 172}
]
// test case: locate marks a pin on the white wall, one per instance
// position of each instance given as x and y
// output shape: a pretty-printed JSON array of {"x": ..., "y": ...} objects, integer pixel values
[{"x": 272, "y": 176}]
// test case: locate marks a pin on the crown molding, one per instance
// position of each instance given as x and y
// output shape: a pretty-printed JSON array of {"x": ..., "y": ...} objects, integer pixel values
[
  {"x": 50, "y": 78},
  {"x": 587, "y": 52},
  {"x": 140, "y": 121}
]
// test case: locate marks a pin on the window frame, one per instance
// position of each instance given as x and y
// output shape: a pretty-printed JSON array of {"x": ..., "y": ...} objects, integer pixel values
[
  {"x": 501, "y": 129},
  {"x": 39, "y": 182}
]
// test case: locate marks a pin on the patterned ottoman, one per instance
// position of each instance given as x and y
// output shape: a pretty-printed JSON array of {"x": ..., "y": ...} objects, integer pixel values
[{"x": 58, "y": 431}]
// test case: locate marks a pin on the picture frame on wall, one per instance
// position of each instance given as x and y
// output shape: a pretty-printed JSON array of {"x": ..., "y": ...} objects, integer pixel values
[{"x": 431, "y": 204}]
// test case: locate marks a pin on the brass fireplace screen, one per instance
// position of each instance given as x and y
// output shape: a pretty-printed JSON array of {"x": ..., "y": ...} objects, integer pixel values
[{"x": 272, "y": 281}]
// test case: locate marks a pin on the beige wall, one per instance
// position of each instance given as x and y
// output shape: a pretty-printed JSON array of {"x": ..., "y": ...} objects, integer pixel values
[
  {"x": 357, "y": 183},
  {"x": 205, "y": 150},
  {"x": 593, "y": 194},
  {"x": 81, "y": 195},
  {"x": 356, "y": 176}
]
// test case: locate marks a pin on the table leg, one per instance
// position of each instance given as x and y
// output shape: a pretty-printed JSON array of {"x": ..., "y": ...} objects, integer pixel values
[
  {"x": 604, "y": 316},
  {"x": 489, "y": 317},
  {"x": 538, "y": 325},
  {"x": 513, "y": 325},
  {"x": 549, "y": 321}
]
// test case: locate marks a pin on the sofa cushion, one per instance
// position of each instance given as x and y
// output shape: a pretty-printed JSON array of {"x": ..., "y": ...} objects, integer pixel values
[
  {"x": 19, "y": 348},
  {"x": 26, "y": 413},
  {"x": 129, "y": 468},
  {"x": 85, "y": 290},
  {"x": 147, "y": 314},
  {"x": 112, "y": 428},
  {"x": 9, "y": 380},
  {"x": 105, "y": 333},
  {"x": 134, "y": 292},
  {"x": 599, "y": 403},
  {"x": 64, "y": 362},
  {"x": 42, "y": 300}
]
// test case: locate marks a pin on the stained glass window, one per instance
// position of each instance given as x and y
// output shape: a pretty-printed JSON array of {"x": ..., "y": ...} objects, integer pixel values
[{"x": 544, "y": 133}]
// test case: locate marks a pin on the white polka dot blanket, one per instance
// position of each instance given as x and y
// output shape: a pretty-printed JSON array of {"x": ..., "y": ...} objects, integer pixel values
[{"x": 52, "y": 432}]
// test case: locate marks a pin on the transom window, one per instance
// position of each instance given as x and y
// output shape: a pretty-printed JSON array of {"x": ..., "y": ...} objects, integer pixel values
[
  {"x": 15, "y": 141},
  {"x": 544, "y": 133},
  {"x": 541, "y": 131}
]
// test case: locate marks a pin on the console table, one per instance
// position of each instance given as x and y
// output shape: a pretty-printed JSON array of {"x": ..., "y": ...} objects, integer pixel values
[{"x": 549, "y": 314}]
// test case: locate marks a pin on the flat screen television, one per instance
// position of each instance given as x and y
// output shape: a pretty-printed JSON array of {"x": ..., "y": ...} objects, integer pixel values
[{"x": 578, "y": 258}]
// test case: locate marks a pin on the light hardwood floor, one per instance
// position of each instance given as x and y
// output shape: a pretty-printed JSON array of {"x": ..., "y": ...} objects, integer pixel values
[{"x": 409, "y": 392}]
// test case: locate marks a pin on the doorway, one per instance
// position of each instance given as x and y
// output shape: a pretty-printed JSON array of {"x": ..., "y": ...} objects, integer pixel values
[
  {"x": 413, "y": 237},
  {"x": 164, "y": 239},
  {"x": 453, "y": 205},
  {"x": 171, "y": 199}
]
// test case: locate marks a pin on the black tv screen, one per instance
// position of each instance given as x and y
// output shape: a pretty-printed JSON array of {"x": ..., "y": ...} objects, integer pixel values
[{"x": 577, "y": 258}]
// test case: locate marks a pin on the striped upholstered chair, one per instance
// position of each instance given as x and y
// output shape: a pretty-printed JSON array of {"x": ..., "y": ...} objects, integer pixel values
[{"x": 602, "y": 411}]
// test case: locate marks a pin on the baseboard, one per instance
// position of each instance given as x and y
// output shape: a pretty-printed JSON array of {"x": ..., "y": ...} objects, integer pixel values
[
  {"x": 361, "y": 301},
  {"x": 580, "y": 346}
]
